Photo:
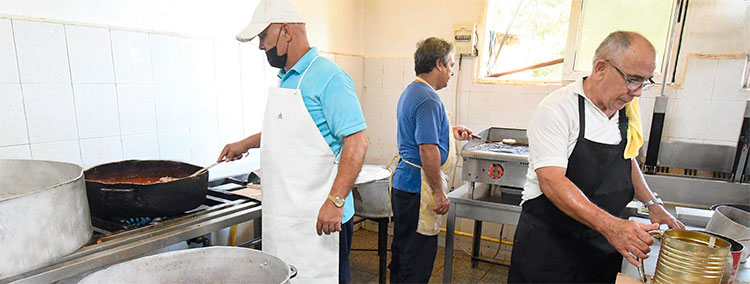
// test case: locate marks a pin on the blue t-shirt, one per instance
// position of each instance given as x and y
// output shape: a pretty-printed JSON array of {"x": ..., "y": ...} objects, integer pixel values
[
  {"x": 330, "y": 98},
  {"x": 421, "y": 120}
]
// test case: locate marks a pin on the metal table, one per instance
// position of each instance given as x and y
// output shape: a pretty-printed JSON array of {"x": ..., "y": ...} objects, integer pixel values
[
  {"x": 483, "y": 208},
  {"x": 134, "y": 243}
]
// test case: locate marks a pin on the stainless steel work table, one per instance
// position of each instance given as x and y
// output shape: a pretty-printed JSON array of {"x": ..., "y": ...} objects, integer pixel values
[{"x": 484, "y": 207}]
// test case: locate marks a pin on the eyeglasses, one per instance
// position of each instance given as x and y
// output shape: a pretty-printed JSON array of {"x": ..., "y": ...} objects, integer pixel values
[{"x": 634, "y": 84}]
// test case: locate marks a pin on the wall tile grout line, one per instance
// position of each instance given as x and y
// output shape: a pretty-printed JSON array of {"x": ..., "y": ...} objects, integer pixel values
[
  {"x": 153, "y": 94},
  {"x": 117, "y": 95},
  {"x": 20, "y": 87},
  {"x": 73, "y": 94}
]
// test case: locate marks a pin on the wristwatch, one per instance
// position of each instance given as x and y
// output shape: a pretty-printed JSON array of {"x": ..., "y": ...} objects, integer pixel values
[
  {"x": 653, "y": 201},
  {"x": 337, "y": 201}
]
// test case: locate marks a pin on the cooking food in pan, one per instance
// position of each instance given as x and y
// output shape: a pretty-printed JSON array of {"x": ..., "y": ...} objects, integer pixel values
[{"x": 151, "y": 188}]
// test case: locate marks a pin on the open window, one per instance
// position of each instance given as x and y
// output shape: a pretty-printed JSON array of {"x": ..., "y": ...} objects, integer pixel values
[{"x": 554, "y": 40}]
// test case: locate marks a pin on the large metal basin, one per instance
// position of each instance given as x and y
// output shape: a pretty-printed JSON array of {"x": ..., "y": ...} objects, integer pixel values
[
  {"x": 372, "y": 193},
  {"x": 44, "y": 214},
  {"x": 202, "y": 265},
  {"x": 733, "y": 223}
]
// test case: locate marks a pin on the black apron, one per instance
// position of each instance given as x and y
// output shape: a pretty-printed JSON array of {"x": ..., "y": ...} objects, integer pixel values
[{"x": 552, "y": 247}]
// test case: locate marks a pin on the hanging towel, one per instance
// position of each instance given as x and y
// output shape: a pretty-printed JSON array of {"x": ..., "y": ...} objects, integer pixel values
[{"x": 635, "y": 130}]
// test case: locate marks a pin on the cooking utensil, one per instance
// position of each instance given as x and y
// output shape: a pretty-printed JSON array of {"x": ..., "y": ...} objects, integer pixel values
[
  {"x": 371, "y": 193},
  {"x": 733, "y": 260},
  {"x": 733, "y": 223},
  {"x": 476, "y": 137},
  {"x": 743, "y": 207},
  {"x": 200, "y": 265},
  {"x": 688, "y": 257},
  {"x": 132, "y": 188},
  {"x": 205, "y": 169},
  {"x": 44, "y": 214},
  {"x": 212, "y": 165}
]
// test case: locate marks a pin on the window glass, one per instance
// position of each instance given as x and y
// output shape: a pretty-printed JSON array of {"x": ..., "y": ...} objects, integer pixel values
[
  {"x": 537, "y": 34},
  {"x": 648, "y": 17},
  {"x": 538, "y": 40}
]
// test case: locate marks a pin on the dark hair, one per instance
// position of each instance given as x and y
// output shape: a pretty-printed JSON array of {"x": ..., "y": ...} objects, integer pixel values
[{"x": 429, "y": 51}]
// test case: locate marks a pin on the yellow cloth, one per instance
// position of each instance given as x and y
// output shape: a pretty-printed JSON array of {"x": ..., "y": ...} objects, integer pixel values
[{"x": 635, "y": 130}]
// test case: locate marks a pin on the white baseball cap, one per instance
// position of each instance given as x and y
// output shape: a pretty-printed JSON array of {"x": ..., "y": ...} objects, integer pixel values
[{"x": 268, "y": 12}]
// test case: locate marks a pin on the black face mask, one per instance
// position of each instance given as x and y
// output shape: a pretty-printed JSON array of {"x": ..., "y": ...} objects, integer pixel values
[{"x": 275, "y": 60}]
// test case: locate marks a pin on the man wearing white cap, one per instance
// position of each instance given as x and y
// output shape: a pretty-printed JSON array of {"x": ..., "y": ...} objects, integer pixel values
[{"x": 311, "y": 150}]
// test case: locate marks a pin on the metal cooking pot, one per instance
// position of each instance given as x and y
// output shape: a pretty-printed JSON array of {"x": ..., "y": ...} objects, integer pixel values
[
  {"x": 43, "y": 213},
  {"x": 201, "y": 265},
  {"x": 733, "y": 223},
  {"x": 733, "y": 260},
  {"x": 133, "y": 188},
  {"x": 371, "y": 193}
]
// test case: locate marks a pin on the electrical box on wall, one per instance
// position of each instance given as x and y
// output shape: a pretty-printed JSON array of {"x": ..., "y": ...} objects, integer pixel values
[{"x": 465, "y": 38}]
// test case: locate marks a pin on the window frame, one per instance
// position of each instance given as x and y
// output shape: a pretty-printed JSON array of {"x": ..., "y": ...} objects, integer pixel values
[{"x": 574, "y": 33}]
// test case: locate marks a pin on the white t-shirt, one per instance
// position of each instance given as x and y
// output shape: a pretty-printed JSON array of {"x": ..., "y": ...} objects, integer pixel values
[{"x": 553, "y": 132}]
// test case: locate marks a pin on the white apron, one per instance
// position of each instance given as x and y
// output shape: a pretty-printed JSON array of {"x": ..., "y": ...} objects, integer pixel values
[{"x": 298, "y": 169}]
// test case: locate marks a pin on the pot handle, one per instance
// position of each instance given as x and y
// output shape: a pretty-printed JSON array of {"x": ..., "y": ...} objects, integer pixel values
[
  {"x": 116, "y": 189},
  {"x": 642, "y": 269},
  {"x": 292, "y": 271}
]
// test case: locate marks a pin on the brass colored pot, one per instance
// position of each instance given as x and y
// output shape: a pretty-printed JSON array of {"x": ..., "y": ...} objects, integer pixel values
[{"x": 689, "y": 257}]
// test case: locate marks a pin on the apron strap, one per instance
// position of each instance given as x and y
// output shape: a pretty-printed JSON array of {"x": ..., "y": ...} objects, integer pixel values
[
  {"x": 581, "y": 117},
  {"x": 623, "y": 123},
  {"x": 305, "y": 72}
]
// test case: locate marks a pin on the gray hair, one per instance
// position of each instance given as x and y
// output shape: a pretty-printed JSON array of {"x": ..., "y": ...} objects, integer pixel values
[
  {"x": 615, "y": 44},
  {"x": 429, "y": 51}
]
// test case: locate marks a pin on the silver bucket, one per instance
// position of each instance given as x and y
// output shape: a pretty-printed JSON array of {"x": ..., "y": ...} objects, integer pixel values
[
  {"x": 733, "y": 223},
  {"x": 44, "y": 213},
  {"x": 371, "y": 193},
  {"x": 200, "y": 265}
]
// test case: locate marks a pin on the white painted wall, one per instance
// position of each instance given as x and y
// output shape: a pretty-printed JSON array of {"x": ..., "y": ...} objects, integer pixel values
[{"x": 393, "y": 27}]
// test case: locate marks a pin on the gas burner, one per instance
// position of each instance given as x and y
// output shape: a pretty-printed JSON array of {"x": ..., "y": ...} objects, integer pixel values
[{"x": 140, "y": 221}]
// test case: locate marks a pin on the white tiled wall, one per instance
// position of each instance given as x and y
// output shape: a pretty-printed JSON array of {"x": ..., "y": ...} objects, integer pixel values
[
  {"x": 710, "y": 106},
  {"x": 91, "y": 95},
  {"x": 480, "y": 105}
]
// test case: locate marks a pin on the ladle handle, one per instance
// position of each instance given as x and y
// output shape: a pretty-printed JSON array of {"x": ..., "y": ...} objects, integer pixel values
[
  {"x": 642, "y": 268},
  {"x": 205, "y": 169}
]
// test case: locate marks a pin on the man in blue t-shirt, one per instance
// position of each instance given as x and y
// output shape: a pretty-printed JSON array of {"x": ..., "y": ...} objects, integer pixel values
[{"x": 423, "y": 141}]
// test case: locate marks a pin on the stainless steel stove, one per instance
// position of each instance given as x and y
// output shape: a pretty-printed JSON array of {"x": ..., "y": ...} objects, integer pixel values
[
  {"x": 500, "y": 159},
  {"x": 117, "y": 240}
]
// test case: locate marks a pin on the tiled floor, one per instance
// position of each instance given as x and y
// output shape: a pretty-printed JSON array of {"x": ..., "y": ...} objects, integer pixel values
[{"x": 364, "y": 264}]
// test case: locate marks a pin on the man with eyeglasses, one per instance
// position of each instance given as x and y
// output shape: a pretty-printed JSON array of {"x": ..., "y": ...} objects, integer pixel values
[{"x": 582, "y": 173}]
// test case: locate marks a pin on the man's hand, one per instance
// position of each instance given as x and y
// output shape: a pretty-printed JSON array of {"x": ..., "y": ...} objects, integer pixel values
[
  {"x": 329, "y": 218},
  {"x": 234, "y": 151},
  {"x": 659, "y": 215},
  {"x": 442, "y": 204},
  {"x": 462, "y": 133},
  {"x": 630, "y": 237}
]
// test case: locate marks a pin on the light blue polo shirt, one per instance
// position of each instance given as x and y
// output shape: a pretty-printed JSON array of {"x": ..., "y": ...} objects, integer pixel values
[{"x": 330, "y": 97}]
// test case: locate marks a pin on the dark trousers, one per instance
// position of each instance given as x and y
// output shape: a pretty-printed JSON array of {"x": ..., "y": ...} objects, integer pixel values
[
  {"x": 412, "y": 254},
  {"x": 345, "y": 246}
]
